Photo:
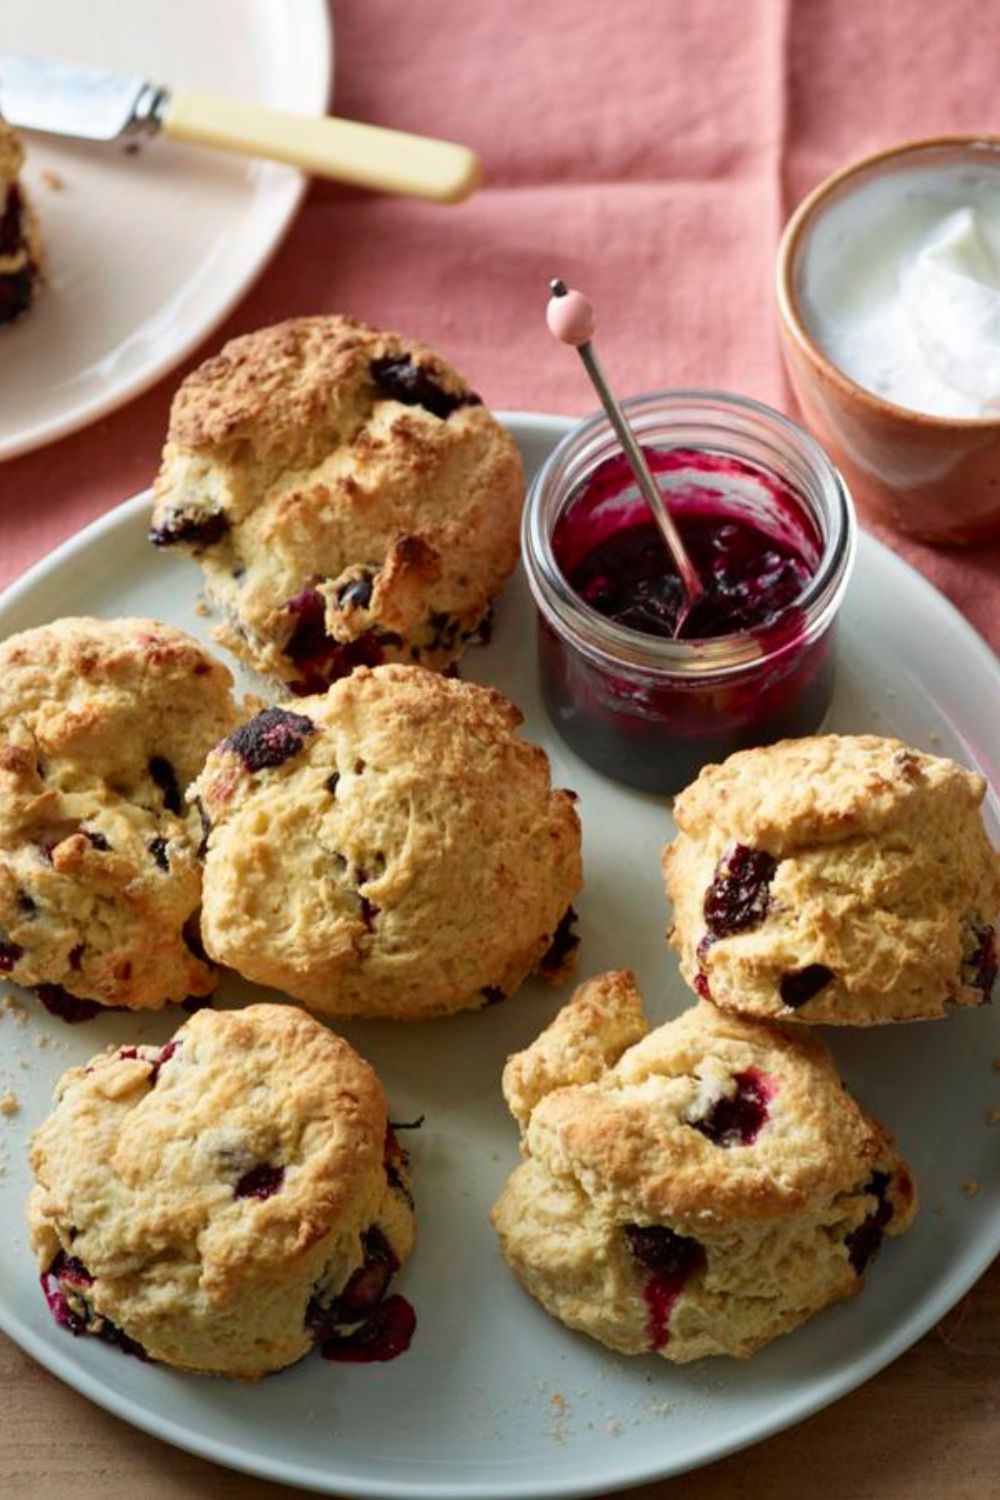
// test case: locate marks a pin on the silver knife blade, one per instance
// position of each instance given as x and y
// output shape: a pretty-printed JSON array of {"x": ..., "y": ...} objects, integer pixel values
[{"x": 37, "y": 93}]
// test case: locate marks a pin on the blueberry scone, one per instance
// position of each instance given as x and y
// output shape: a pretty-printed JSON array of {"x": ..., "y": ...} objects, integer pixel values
[
  {"x": 693, "y": 1190},
  {"x": 20, "y": 237},
  {"x": 103, "y": 724},
  {"x": 227, "y": 1201},
  {"x": 392, "y": 848},
  {"x": 349, "y": 498},
  {"x": 839, "y": 879}
]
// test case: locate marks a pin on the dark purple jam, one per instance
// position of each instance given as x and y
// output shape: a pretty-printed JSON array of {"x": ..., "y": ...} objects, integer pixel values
[
  {"x": 756, "y": 548},
  {"x": 750, "y": 580}
]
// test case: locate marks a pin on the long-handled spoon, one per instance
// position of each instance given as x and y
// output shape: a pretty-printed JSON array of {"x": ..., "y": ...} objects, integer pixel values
[{"x": 572, "y": 320}]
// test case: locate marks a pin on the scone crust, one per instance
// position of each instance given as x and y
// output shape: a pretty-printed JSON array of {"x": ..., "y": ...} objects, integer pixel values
[
  {"x": 771, "y": 1218},
  {"x": 103, "y": 724},
  {"x": 407, "y": 858},
  {"x": 336, "y": 524},
  {"x": 137, "y": 1172},
  {"x": 884, "y": 877}
]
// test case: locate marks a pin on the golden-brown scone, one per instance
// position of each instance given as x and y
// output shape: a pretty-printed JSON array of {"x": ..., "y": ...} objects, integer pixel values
[
  {"x": 709, "y": 1186},
  {"x": 349, "y": 499},
  {"x": 103, "y": 724},
  {"x": 842, "y": 879},
  {"x": 224, "y": 1202},
  {"x": 390, "y": 849},
  {"x": 21, "y": 251}
]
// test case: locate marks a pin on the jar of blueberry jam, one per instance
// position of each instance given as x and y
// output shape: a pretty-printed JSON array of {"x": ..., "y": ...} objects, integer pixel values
[{"x": 770, "y": 527}]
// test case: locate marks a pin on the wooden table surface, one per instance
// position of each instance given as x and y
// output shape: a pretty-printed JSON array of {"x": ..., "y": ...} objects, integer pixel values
[{"x": 927, "y": 1428}]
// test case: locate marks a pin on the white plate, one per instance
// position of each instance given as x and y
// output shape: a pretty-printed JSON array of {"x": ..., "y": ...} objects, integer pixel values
[
  {"x": 495, "y": 1398},
  {"x": 147, "y": 253}
]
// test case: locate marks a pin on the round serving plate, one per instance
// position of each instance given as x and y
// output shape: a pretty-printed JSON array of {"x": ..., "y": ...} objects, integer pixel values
[
  {"x": 494, "y": 1398},
  {"x": 148, "y": 249}
]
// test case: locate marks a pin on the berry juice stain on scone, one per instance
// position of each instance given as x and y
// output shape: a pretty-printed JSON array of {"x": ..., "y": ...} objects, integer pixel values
[
  {"x": 673, "y": 1258},
  {"x": 425, "y": 864},
  {"x": 252, "y": 1200},
  {"x": 697, "y": 1189},
  {"x": 103, "y": 723},
  {"x": 350, "y": 500},
  {"x": 836, "y": 879}
]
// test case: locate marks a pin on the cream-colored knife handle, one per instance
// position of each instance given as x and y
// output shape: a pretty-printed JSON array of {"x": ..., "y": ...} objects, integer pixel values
[{"x": 365, "y": 155}]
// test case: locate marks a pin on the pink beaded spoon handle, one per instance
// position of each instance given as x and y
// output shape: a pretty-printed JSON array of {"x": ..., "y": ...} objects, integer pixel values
[{"x": 571, "y": 319}]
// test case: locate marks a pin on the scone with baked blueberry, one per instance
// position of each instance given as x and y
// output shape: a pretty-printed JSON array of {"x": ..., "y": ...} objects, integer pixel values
[
  {"x": 103, "y": 724},
  {"x": 20, "y": 237},
  {"x": 839, "y": 879},
  {"x": 226, "y": 1201},
  {"x": 392, "y": 848},
  {"x": 697, "y": 1189},
  {"x": 349, "y": 498}
]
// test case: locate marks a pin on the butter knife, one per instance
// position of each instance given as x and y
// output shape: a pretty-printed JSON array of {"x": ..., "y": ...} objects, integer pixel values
[{"x": 63, "y": 99}]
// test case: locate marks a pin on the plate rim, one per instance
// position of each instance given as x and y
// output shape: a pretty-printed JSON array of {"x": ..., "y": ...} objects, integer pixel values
[
  {"x": 286, "y": 197},
  {"x": 822, "y": 1393}
]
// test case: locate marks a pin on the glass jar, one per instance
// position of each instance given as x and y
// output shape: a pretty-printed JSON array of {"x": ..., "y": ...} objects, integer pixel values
[{"x": 651, "y": 711}]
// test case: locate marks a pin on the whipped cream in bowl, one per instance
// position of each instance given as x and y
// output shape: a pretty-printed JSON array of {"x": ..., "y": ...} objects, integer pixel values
[
  {"x": 889, "y": 310},
  {"x": 899, "y": 282}
]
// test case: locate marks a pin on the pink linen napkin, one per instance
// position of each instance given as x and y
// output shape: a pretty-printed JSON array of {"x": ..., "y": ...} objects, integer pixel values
[{"x": 647, "y": 150}]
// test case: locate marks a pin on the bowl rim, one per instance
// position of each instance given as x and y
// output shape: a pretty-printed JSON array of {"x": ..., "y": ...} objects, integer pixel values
[{"x": 790, "y": 316}]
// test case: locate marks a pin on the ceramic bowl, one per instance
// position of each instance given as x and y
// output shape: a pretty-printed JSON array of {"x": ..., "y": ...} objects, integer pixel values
[{"x": 932, "y": 477}]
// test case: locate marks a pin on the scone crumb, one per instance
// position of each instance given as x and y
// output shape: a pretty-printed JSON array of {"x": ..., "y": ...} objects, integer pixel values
[
  {"x": 9, "y": 1104},
  {"x": 993, "y": 1116},
  {"x": 613, "y": 1427},
  {"x": 559, "y": 1432},
  {"x": 14, "y": 1006},
  {"x": 53, "y": 181},
  {"x": 971, "y": 1186}
]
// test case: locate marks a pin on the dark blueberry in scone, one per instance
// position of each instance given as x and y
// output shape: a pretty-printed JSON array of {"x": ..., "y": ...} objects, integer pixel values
[
  {"x": 802, "y": 985},
  {"x": 661, "y": 1249},
  {"x": 21, "y": 251},
  {"x": 194, "y": 531},
  {"x": 738, "y": 896},
  {"x": 737, "y": 1118},
  {"x": 401, "y": 379},
  {"x": 271, "y": 737}
]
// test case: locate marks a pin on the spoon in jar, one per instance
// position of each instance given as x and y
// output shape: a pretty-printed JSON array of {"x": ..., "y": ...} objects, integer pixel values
[{"x": 571, "y": 319}]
